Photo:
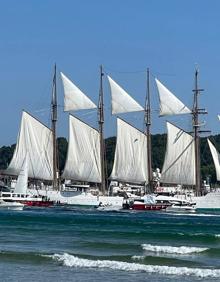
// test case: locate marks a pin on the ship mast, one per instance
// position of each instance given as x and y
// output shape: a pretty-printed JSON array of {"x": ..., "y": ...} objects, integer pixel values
[
  {"x": 147, "y": 120},
  {"x": 101, "y": 128},
  {"x": 196, "y": 125},
  {"x": 54, "y": 121}
]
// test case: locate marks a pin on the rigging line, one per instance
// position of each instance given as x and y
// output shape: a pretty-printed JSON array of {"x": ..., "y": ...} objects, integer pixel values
[
  {"x": 42, "y": 110},
  {"x": 89, "y": 113},
  {"x": 155, "y": 74},
  {"x": 125, "y": 72},
  {"x": 60, "y": 106}
]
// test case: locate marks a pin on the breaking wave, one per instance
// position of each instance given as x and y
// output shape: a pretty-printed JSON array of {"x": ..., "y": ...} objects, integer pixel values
[
  {"x": 172, "y": 250},
  {"x": 73, "y": 261}
]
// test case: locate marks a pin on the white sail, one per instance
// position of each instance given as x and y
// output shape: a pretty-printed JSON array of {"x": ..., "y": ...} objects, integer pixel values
[
  {"x": 22, "y": 181},
  {"x": 179, "y": 163},
  {"x": 130, "y": 163},
  {"x": 122, "y": 102},
  {"x": 74, "y": 98},
  {"x": 36, "y": 142},
  {"x": 83, "y": 161},
  {"x": 216, "y": 159},
  {"x": 169, "y": 103}
]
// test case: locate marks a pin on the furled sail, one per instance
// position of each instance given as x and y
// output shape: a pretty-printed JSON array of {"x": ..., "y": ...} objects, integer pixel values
[
  {"x": 83, "y": 158},
  {"x": 22, "y": 181},
  {"x": 179, "y": 163},
  {"x": 130, "y": 163},
  {"x": 34, "y": 141},
  {"x": 122, "y": 102},
  {"x": 74, "y": 98},
  {"x": 216, "y": 159},
  {"x": 169, "y": 103}
]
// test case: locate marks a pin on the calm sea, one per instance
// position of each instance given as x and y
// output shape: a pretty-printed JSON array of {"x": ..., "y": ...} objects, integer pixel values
[{"x": 89, "y": 245}]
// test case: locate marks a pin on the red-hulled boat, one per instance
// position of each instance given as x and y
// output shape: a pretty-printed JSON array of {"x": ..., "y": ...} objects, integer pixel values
[{"x": 142, "y": 205}]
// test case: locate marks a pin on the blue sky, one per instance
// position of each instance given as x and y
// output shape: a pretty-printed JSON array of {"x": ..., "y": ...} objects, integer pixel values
[{"x": 170, "y": 37}]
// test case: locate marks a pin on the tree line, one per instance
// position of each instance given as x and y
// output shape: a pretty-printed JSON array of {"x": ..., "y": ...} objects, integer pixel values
[{"x": 158, "y": 153}]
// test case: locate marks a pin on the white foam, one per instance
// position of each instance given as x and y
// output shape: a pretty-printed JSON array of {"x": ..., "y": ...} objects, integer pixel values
[
  {"x": 138, "y": 257},
  {"x": 73, "y": 261},
  {"x": 195, "y": 214},
  {"x": 201, "y": 214},
  {"x": 172, "y": 250},
  {"x": 217, "y": 235},
  {"x": 181, "y": 234}
]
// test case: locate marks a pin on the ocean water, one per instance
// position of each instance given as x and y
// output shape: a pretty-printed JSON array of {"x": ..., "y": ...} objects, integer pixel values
[{"x": 57, "y": 244}]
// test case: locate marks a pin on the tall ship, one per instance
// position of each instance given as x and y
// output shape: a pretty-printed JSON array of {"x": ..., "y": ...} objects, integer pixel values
[{"x": 84, "y": 171}]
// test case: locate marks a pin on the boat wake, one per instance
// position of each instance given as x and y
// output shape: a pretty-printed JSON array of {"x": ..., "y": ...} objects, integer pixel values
[
  {"x": 73, "y": 261},
  {"x": 195, "y": 214},
  {"x": 183, "y": 250}
]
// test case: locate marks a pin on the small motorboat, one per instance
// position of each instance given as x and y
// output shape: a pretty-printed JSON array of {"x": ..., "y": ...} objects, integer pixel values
[
  {"x": 175, "y": 204},
  {"x": 146, "y": 203},
  {"x": 108, "y": 207},
  {"x": 181, "y": 207}
]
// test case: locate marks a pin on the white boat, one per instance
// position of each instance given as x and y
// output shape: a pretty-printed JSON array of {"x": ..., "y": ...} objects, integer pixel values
[
  {"x": 11, "y": 205},
  {"x": 176, "y": 204}
]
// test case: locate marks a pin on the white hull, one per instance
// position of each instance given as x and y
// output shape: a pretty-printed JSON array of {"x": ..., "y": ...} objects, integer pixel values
[
  {"x": 11, "y": 206},
  {"x": 211, "y": 201},
  {"x": 77, "y": 198}
]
